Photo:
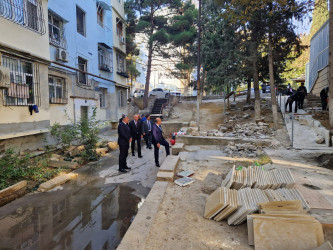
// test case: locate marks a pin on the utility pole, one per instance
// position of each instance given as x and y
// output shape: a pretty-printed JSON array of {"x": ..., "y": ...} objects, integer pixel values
[{"x": 198, "y": 65}]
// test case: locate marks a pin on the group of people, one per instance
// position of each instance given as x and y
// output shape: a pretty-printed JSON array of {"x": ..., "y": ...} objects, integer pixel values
[
  {"x": 132, "y": 133},
  {"x": 298, "y": 97}
]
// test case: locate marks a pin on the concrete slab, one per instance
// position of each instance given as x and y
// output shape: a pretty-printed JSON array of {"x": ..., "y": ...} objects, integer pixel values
[
  {"x": 59, "y": 180},
  {"x": 183, "y": 156},
  {"x": 138, "y": 232},
  {"x": 165, "y": 176},
  {"x": 59, "y": 164},
  {"x": 170, "y": 164},
  {"x": 177, "y": 148}
]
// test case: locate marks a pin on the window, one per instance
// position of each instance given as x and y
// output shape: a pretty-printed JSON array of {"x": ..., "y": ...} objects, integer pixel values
[
  {"x": 82, "y": 65},
  {"x": 119, "y": 27},
  {"x": 104, "y": 58},
  {"x": 80, "y": 21},
  {"x": 121, "y": 99},
  {"x": 24, "y": 85},
  {"x": 102, "y": 97},
  {"x": 120, "y": 63},
  {"x": 56, "y": 31},
  {"x": 27, "y": 13},
  {"x": 100, "y": 15},
  {"x": 57, "y": 90}
]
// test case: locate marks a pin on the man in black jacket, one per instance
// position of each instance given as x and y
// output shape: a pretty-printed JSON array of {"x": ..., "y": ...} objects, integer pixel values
[
  {"x": 136, "y": 133},
  {"x": 323, "y": 97},
  {"x": 147, "y": 126},
  {"x": 304, "y": 91},
  {"x": 124, "y": 139},
  {"x": 159, "y": 140}
]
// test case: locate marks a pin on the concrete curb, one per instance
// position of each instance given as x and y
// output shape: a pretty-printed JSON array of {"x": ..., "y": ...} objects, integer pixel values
[
  {"x": 138, "y": 232},
  {"x": 12, "y": 192},
  {"x": 222, "y": 141}
]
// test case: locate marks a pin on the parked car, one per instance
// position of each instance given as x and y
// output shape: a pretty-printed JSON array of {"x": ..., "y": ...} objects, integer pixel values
[
  {"x": 176, "y": 93},
  {"x": 159, "y": 93},
  {"x": 139, "y": 93}
]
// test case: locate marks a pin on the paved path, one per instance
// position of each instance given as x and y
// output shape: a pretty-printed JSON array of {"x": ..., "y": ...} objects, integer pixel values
[{"x": 92, "y": 212}]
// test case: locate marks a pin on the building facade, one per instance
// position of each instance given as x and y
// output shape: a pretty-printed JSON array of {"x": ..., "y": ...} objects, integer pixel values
[
  {"x": 58, "y": 61},
  {"x": 24, "y": 59},
  {"x": 318, "y": 69}
]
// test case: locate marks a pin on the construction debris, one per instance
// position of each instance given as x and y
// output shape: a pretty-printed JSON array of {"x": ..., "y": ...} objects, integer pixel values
[
  {"x": 257, "y": 177},
  {"x": 186, "y": 173},
  {"x": 184, "y": 181}
]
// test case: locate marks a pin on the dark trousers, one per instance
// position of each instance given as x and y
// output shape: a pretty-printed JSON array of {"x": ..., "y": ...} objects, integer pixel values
[
  {"x": 148, "y": 139},
  {"x": 123, "y": 155},
  {"x": 138, "y": 141},
  {"x": 290, "y": 103},
  {"x": 157, "y": 150},
  {"x": 301, "y": 102},
  {"x": 324, "y": 104}
]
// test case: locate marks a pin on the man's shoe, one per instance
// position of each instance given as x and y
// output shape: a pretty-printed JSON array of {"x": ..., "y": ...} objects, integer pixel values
[
  {"x": 133, "y": 154},
  {"x": 127, "y": 167},
  {"x": 157, "y": 165},
  {"x": 150, "y": 148},
  {"x": 140, "y": 156},
  {"x": 122, "y": 171}
]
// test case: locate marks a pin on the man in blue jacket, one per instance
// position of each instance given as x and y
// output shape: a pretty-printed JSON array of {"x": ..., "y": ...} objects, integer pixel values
[
  {"x": 158, "y": 140},
  {"x": 124, "y": 139}
]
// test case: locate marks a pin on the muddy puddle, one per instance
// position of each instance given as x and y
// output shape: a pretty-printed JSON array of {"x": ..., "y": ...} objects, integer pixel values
[{"x": 83, "y": 215}]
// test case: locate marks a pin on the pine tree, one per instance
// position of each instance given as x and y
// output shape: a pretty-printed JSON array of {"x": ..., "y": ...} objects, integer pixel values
[{"x": 319, "y": 16}]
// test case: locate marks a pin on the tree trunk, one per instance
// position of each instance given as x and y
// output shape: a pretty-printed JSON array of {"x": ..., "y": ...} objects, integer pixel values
[
  {"x": 331, "y": 63},
  {"x": 150, "y": 53},
  {"x": 257, "y": 108},
  {"x": 271, "y": 81},
  {"x": 248, "y": 94}
]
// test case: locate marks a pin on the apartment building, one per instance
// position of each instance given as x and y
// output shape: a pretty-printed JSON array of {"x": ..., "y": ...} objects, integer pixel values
[
  {"x": 24, "y": 59},
  {"x": 58, "y": 61}
]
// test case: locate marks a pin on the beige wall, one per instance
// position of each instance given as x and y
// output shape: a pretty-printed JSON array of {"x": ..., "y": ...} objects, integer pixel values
[
  {"x": 23, "y": 39},
  {"x": 118, "y": 12},
  {"x": 321, "y": 82}
]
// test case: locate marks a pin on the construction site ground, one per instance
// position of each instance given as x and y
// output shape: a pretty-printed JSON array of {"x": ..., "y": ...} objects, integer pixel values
[{"x": 179, "y": 222}]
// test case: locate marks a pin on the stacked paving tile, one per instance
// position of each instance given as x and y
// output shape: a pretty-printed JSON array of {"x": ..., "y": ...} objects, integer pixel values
[
  {"x": 284, "y": 225},
  {"x": 242, "y": 190}
]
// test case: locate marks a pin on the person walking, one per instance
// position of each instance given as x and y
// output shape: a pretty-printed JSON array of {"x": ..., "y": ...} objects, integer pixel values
[
  {"x": 159, "y": 140},
  {"x": 323, "y": 97},
  {"x": 147, "y": 126},
  {"x": 136, "y": 133},
  {"x": 304, "y": 92},
  {"x": 124, "y": 139}
]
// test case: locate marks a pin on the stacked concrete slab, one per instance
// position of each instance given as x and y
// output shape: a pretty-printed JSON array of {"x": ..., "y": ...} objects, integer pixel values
[
  {"x": 177, "y": 148},
  {"x": 168, "y": 168},
  {"x": 284, "y": 225}
]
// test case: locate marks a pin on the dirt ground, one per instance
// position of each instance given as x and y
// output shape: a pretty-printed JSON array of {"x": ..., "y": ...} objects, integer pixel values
[
  {"x": 323, "y": 117},
  {"x": 179, "y": 223}
]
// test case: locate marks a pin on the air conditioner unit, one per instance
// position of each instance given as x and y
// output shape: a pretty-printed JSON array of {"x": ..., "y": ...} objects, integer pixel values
[
  {"x": 122, "y": 40},
  {"x": 4, "y": 77},
  {"x": 62, "y": 55}
]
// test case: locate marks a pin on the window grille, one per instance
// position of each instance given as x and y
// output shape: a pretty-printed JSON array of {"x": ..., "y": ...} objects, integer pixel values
[
  {"x": 57, "y": 90},
  {"x": 104, "y": 58},
  {"x": 82, "y": 65},
  {"x": 24, "y": 82},
  {"x": 27, "y": 13},
  {"x": 120, "y": 63},
  {"x": 57, "y": 32},
  {"x": 121, "y": 99},
  {"x": 102, "y": 97}
]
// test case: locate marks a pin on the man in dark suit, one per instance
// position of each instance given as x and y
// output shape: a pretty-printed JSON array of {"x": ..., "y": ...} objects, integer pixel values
[
  {"x": 136, "y": 132},
  {"x": 147, "y": 126},
  {"x": 124, "y": 139},
  {"x": 158, "y": 140}
]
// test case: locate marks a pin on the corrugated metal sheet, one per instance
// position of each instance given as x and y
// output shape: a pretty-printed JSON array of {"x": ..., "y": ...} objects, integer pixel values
[{"x": 318, "y": 53}]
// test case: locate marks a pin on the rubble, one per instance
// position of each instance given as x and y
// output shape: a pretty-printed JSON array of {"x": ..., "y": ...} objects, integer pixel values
[
  {"x": 320, "y": 139},
  {"x": 244, "y": 149}
]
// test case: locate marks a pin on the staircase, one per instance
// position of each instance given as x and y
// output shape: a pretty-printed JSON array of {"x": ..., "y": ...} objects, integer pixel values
[
  {"x": 312, "y": 102},
  {"x": 157, "y": 110}
]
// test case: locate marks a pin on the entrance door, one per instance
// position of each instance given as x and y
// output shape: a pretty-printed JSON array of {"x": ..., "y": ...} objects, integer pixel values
[{"x": 84, "y": 112}]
